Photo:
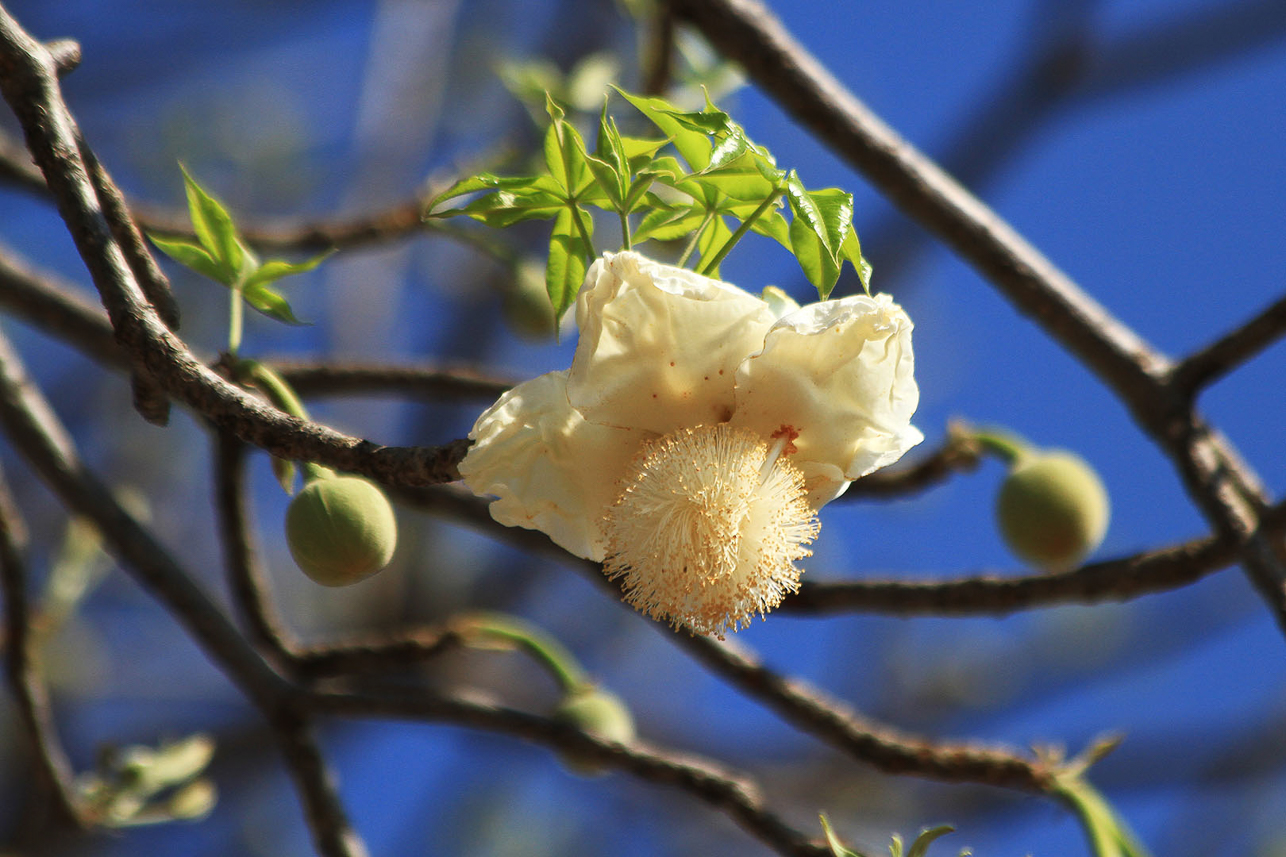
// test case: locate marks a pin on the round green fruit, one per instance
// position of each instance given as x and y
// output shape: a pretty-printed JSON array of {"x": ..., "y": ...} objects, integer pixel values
[
  {"x": 341, "y": 529},
  {"x": 1052, "y": 509}
]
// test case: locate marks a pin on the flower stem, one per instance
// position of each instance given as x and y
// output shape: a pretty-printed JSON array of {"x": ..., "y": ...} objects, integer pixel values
[
  {"x": 627, "y": 240},
  {"x": 1002, "y": 443},
  {"x": 497, "y": 630},
  {"x": 696, "y": 236},
  {"x": 708, "y": 265},
  {"x": 235, "y": 313},
  {"x": 284, "y": 398}
]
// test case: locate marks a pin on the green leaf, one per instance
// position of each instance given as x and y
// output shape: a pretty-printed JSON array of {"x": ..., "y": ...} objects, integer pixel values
[
  {"x": 661, "y": 224},
  {"x": 814, "y": 258},
  {"x": 192, "y": 255},
  {"x": 213, "y": 226},
  {"x": 775, "y": 226},
  {"x": 485, "y": 182},
  {"x": 711, "y": 240},
  {"x": 565, "y": 270},
  {"x": 832, "y": 841},
  {"x": 821, "y": 222},
  {"x": 920, "y": 847},
  {"x": 851, "y": 250},
  {"x": 270, "y": 303},
  {"x": 275, "y": 269},
  {"x": 565, "y": 152},
  {"x": 640, "y": 152},
  {"x": 693, "y": 145}
]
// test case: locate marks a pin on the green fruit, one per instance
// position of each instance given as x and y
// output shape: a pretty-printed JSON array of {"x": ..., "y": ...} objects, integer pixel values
[
  {"x": 603, "y": 715},
  {"x": 1052, "y": 509},
  {"x": 341, "y": 529}
]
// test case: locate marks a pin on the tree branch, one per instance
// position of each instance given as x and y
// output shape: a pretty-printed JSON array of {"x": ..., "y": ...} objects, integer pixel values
[
  {"x": 30, "y": 85},
  {"x": 1207, "y": 365},
  {"x": 23, "y": 662},
  {"x": 734, "y": 794}
]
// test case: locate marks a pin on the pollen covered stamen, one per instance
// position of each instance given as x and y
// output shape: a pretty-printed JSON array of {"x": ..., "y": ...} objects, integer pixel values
[{"x": 708, "y": 526}]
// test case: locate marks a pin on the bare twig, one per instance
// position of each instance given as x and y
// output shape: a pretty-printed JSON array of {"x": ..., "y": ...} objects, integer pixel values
[
  {"x": 959, "y": 452},
  {"x": 250, "y": 592},
  {"x": 332, "y": 832},
  {"x": 23, "y": 669},
  {"x": 876, "y": 744},
  {"x": 733, "y": 794},
  {"x": 357, "y": 379},
  {"x": 1206, "y": 366}
]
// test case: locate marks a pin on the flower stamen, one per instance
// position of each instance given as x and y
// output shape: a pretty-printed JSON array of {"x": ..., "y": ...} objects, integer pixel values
[{"x": 707, "y": 527}]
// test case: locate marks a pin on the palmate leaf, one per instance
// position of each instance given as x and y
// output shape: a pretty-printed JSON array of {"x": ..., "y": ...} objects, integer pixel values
[{"x": 821, "y": 222}]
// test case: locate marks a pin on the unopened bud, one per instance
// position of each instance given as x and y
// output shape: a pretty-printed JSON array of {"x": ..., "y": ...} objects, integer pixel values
[
  {"x": 1052, "y": 509},
  {"x": 341, "y": 529},
  {"x": 603, "y": 715}
]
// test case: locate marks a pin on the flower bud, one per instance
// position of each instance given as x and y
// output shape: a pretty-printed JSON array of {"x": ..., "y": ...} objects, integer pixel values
[
  {"x": 1052, "y": 509},
  {"x": 340, "y": 529},
  {"x": 603, "y": 715}
]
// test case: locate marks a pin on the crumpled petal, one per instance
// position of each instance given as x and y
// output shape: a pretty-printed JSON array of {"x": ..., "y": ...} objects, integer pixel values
[
  {"x": 659, "y": 346},
  {"x": 549, "y": 469},
  {"x": 841, "y": 373}
]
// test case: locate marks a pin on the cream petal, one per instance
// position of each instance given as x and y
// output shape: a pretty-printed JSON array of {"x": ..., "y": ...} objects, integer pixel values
[
  {"x": 549, "y": 469},
  {"x": 659, "y": 346},
  {"x": 841, "y": 373}
]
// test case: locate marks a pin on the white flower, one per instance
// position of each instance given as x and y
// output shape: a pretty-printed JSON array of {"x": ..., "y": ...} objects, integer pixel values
[{"x": 696, "y": 434}]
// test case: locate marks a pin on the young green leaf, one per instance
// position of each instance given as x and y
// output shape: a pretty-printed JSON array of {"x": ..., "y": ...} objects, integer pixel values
[
  {"x": 192, "y": 255},
  {"x": 566, "y": 267},
  {"x": 693, "y": 145},
  {"x": 270, "y": 303},
  {"x": 213, "y": 226},
  {"x": 813, "y": 256},
  {"x": 275, "y": 269},
  {"x": 832, "y": 840},
  {"x": 920, "y": 847}
]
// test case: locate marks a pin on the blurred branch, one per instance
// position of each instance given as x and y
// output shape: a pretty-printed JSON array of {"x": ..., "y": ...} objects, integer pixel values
[
  {"x": 959, "y": 452},
  {"x": 23, "y": 662},
  {"x": 880, "y": 746},
  {"x": 1222, "y": 486},
  {"x": 250, "y": 593},
  {"x": 34, "y": 431},
  {"x": 875, "y": 744},
  {"x": 356, "y": 379},
  {"x": 1206, "y": 366},
  {"x": 328, "y": 822},
  {"x": 1064, "y": 64},
  {"x": 732, "y": 793},
  {"x": 30, "y": 86},
  {"x": 1159, "y": 570}
]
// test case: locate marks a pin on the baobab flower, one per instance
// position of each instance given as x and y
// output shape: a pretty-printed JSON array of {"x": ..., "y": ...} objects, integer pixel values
[{"x": 696, "y": 434}]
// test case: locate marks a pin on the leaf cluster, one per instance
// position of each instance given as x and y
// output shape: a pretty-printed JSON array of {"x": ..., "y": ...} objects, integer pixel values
[
  {"x": 219, "y": 253},
  {"x": 703, "y": 181}
]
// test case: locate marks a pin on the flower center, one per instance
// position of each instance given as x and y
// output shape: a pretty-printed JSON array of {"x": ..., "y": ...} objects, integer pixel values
[{"x": 707, "y": 528}]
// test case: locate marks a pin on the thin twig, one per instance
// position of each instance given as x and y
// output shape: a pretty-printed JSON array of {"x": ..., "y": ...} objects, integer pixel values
[
  {"x": 250, "y": 592},
  {"x": 732, "y": 793},
  {"x": 23, "y": 669},
  {"x": 332, "y": 832},
  {"x": 876, "y": 744},
  {"x": 1207, "y": 365},
  {"x": 958, "y": 453}
]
